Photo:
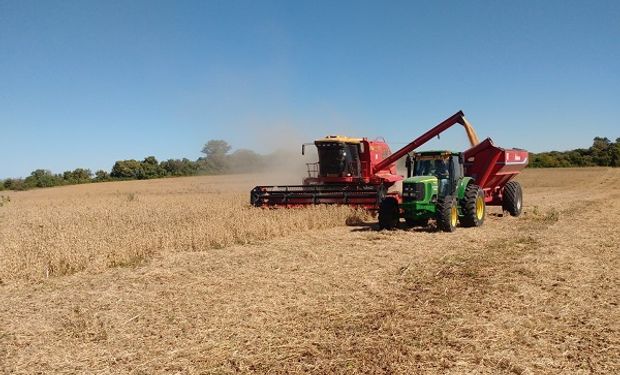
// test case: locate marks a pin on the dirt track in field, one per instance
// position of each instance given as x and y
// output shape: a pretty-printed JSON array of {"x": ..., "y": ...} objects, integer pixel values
[{"x": 535, "y": 294}]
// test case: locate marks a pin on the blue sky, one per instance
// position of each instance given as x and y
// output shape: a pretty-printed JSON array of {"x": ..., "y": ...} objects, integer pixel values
[{"x": 85, "y": 83}]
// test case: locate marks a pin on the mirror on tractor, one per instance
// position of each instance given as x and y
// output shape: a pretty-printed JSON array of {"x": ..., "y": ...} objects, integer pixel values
[{"x": 408, "y": 164}]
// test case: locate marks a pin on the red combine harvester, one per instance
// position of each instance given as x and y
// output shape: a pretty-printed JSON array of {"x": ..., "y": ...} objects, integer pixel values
[
  {"x": 346, "y": 173},
  {"x": 358, "y": 172}
]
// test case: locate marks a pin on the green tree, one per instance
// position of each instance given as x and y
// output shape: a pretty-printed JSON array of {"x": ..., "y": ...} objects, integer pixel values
[
  {"x": 575, "y": 159},
  {"x": 101, "y": 176},
  {"x": 615, "y": 153},
  {"x": 127, "y": 169},
  {"x": 151, "y": 168},
  {"x": 179, "y": 167},
  {"x": 601, "y": 151},
  {"x": 78, "y": 176},
  {"x": 42, "y": 178},
  {"x": 216, "y": 148},
  {"x": 15, "y": 184},
  {"x": 215, "y": 152}
]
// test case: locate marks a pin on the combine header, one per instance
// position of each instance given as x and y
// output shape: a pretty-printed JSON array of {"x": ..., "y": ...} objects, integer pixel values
[{"x": 359, "y": 172}]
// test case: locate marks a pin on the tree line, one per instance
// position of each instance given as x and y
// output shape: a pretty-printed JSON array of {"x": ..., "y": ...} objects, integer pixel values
[
  {"x": 217, "y": 159},
  {"x": 602, "y": 153}
]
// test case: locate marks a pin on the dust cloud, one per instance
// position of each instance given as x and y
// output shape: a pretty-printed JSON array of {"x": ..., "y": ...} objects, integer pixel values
[{"x": 282, "y": 162}]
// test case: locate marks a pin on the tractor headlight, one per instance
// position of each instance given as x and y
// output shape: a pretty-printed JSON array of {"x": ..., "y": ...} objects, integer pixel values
[{"x": 408, "y": 191}]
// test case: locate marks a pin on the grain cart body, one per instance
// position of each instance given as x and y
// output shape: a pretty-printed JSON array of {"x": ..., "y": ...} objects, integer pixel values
[{"x": 493, "y": 168}]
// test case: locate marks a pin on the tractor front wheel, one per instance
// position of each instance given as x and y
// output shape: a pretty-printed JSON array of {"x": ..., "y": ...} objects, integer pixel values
[
  {"x": 447, "y": 214},
  {"x": 388, "y": 213},
  {"x": 513, "y": 198},
  {"x": 473, "y": 206}
]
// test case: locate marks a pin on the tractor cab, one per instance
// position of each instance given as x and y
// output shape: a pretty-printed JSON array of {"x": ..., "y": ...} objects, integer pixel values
[{"x": 440, "y": 170}]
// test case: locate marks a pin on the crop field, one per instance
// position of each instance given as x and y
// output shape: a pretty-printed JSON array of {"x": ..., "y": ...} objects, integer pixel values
[{"x": 182, "y": 276}]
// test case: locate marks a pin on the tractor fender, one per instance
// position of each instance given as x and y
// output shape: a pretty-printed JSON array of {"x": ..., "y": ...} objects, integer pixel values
[{"x": 462, "y": 186}]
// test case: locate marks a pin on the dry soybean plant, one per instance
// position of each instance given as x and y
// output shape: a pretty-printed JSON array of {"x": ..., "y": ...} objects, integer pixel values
[
  {"x": 90, "y": 228},
  {"x": 4, "y": 200}
]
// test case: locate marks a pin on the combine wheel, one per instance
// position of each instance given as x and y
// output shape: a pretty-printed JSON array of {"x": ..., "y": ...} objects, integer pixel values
[
  {"x": 416, "y": 222},
  {"x": 513, "y": 198},
  {"x": 473, "y": 206},
  {"x": 255, "y": 197},
  {"x": 388, "y": 213},
  {"x": 447, "y": 214}
]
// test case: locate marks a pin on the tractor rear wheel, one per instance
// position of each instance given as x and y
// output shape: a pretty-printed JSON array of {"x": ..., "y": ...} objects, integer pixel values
[
  {"x": 388, "y": 213},
  {"x": 473, "y": 206},
  {"x": 447, "y": 214},
  {"x": 513, "y": 198},
  {"x": 416, "y": 222}
]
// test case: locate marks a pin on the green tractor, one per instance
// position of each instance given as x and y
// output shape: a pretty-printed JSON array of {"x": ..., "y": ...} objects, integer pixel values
[{"x": 435, "y": 188}]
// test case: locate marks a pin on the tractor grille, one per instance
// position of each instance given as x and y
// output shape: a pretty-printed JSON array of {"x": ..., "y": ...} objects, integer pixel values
[{"x": 413, "y": 192}]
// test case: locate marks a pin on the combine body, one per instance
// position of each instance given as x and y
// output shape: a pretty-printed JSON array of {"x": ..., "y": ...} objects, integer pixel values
[
  {"x": 346, "y": 174},
  {"x": 358, "y": 172},
  {"x": 351, "y": 161}
]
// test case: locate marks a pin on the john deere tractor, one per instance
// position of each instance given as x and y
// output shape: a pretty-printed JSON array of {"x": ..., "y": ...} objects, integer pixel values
[{"x": 435, "y": 188}]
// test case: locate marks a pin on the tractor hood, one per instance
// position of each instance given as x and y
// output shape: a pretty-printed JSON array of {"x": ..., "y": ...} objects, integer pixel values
[
  {"x": 420, "y": 188},
  {"x": 422, "y": 179}
]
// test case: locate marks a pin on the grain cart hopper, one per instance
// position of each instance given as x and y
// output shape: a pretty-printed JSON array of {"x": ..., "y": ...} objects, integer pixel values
[
  {"x": 351, "y": 171},
  {"x": 450, "y": 187}
]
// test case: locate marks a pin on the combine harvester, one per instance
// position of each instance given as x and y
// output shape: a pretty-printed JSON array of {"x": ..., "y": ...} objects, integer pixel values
[{"x": 442, "y": 185}]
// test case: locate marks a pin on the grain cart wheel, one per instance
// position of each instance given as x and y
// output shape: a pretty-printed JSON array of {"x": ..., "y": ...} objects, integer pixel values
[
  {"x": 388, "y": 213},
  {"x": 473, "y": 206},
  {"x": 447, "y": 214},
  {"x": 513, "y": 198},
  {"x": 416, "y": 222}
]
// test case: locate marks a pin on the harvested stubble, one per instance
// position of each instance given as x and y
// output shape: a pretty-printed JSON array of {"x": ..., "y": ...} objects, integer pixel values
[
  {"x": 90, "y": 228},
  {"x": 531, "y": 295}
]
